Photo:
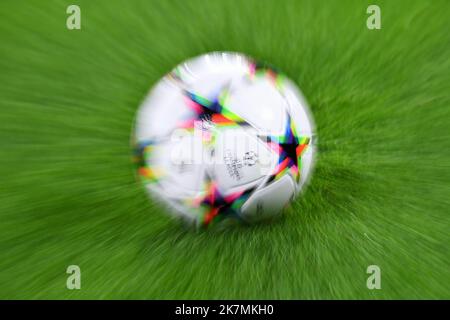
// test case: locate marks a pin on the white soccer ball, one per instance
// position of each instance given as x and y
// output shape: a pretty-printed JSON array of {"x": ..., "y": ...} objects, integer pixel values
[{"x": 222, "y": 137}]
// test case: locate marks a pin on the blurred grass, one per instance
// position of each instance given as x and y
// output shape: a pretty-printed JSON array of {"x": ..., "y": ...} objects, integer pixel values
[{"x": 379, "y": 195}]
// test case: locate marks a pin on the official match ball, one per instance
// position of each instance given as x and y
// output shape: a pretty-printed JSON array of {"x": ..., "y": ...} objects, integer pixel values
[{"x": 224, "y": 138}]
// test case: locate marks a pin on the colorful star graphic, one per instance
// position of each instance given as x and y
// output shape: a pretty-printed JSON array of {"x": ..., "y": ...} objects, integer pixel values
[
  {"x": 215, "y": 205},
  {"x": 290, "y": 148},
  {"x": 213, "y": 111}
]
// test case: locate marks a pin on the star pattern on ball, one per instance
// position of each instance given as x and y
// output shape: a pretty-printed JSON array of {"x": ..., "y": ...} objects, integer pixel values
[
  {"x": 216, "y": 205},
  {"x": 142, "y": 153},
  {"x": 289, "y": 147},
  {"x": 212, "y": 111}
]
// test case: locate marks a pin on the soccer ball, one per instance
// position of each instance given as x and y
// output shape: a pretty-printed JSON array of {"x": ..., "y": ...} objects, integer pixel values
[{"x": 222, "y": 137}]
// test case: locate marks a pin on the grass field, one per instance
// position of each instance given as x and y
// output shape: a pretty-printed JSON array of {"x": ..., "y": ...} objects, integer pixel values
[{"x": 380, "y": 193}]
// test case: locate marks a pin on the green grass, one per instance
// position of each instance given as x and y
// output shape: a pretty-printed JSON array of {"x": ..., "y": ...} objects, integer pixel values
[{"x": 379, "y": 193}]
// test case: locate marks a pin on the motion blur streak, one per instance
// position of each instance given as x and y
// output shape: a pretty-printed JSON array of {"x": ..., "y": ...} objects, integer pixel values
[{"x": 379, "y": 195}]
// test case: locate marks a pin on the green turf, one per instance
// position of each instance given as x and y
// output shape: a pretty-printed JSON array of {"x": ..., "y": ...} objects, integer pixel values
[{"x": 379, "y": 194}]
